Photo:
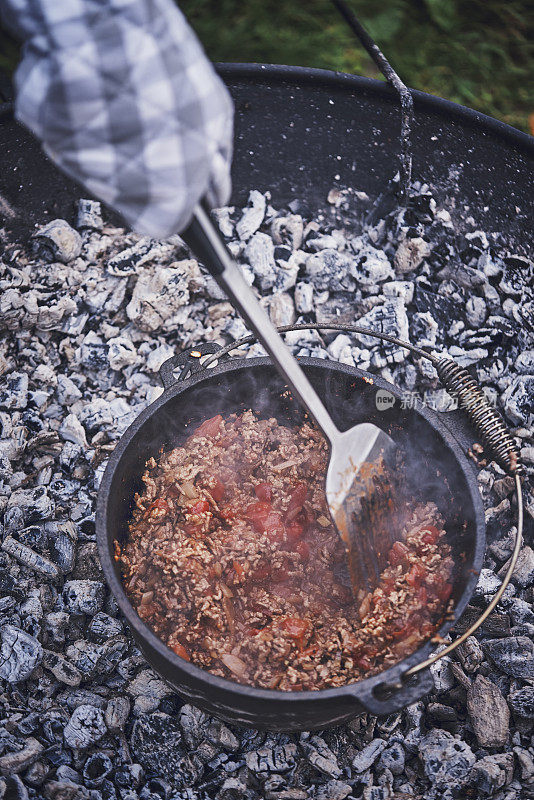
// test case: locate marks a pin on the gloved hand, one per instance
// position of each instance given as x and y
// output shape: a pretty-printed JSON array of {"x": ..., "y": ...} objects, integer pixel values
[{"x": 125, "y": 101}]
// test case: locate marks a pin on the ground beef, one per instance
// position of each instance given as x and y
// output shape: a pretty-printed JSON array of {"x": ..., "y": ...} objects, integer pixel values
[{"x": 232, "y": 560}]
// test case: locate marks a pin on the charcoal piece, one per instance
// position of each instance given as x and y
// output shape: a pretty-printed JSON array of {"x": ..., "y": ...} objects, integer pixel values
[
  {"x": 12, "y": 788},
  {"x": 156, "y": 745},
  {"x": 330, "y": 270},
  {"x": 520, "y": 611},
  {"x": 446, "y": 760},
  {"x": 33, "y": 537},
  {"x": 193, "y": 723},
  {"x": 476, "y": 311},
  {"x": 320, "y": 756},
  {"x": 97, "y": 768},
  {"x": 492, "y": 773},
  {"x": 117, "y": 712},
  {"x": 517, "y": 271},
  {"x": 159, "y": 299},
  {"x": 80, "y": 697},
  {"x": 87, "y": 562},
  {"x": 280, "y": 758},
  {"x": 470, "y": 654},
  {"x": 423, "y": 329},
  {"x": 58, "y": 756},
  {"x": 487, "y": 584},
  {"x": 129, "y": 775},
  {"x": 221, "y": 736},
  {"x": 57, "y": 241},
  {"x": 121, "y": 353},
  {"x": 410, "y": 253},
  {"x": 67, "y": 392},
  {"x": 288, "y": 231},
  {"x": 443, "y": 716},
  {"x": 526, "y": 763},
  {"x": 462, "y": 275},
  {"x": 149, "y": 685},
  {"x": 369, "y": 265},
  {"x": 144, "y": 251},
  {"x": 333, "y": 790},
  {"x": 11, "y": 763},
  {"x": 389, "y": 318},
  {"x": 103, "y": 627},
  {"x": 343, "y": 307},
  {"x": 393, "y": 758},
  {"x": 61, "y": 668},
  {"x": 367, "y": 757},
  {"x": 282, "y": 253},
  {"x": 62, "y": 552},
  {"x": 84, "y": 655},
  {"x": 259, "y": 254},
  {"x": 514, "y": 656},
  {"x": 522, "y": 702},
  {"x": 34, "y": 505},
  {"x": 155, "y": 789},
  {"x": 20, "y": 654},
  {"x": 36, "y": 774},
  {"x": 282, "y": 309},
  {"x": 89, "y": 215},
  {"x": 85, "y": 727},
  {"x": 35, "y": 561},
  {"x": 252, "y": 216},
  {"x": 83, "y": 596},
  {"x": 523, "y": 574},
  {"x": 489, "y": 713},
  {"x": 518, "y": 400},
  {"x": 53, "y": 726},
  {"x": 442, "y": 308},
  {"x": 304, "y": 297}
]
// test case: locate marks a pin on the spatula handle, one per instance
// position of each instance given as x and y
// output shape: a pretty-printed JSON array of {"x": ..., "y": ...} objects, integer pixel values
[{"x": 206, "y": 242}]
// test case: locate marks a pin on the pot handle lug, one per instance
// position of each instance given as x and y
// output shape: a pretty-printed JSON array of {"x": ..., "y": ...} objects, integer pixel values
[
  {"x": 382, "y": 699},
  {"x": 190, "y": 362}
]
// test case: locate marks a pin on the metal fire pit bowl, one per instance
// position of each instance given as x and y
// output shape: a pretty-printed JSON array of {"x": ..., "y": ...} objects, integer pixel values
[{"x": 434, "y": 441}]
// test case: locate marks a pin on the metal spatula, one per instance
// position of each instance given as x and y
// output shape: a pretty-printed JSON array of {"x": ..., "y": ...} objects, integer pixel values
[{"x": 358, "y": 485}]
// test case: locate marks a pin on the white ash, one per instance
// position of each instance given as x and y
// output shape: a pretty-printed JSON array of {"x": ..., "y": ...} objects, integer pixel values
[{"x": 88, "y": 313}]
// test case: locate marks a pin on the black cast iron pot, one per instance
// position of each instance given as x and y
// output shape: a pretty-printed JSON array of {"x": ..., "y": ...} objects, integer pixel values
[{"x": 433, "y": 449}]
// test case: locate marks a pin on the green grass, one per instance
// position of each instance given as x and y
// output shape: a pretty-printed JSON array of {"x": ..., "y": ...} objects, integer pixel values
[{"x": 475, "y": 52}]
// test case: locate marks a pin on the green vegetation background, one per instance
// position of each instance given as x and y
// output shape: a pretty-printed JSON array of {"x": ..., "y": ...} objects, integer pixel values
[{"x": 475, "y": 52}]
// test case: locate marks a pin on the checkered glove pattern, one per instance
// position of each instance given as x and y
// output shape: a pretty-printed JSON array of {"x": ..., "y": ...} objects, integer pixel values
[{"x": 124, "y": 100}]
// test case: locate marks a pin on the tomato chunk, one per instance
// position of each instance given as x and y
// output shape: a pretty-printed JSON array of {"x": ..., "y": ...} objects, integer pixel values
[
  {"x": 296, "y": 627},
  {"x": 199, "y": 506},
  {"x": 430, "y": 535},
  {"x": 303, "y": 550},
  {"x": 181, "y": 651},
  {"x": 422, "y": 595},
  {"x": 416, "y": 576},
  {"x": 294, "y": 531},
  {"x": 274, "y": 528},
  {"x": 296, "y": 501},
  {"x": 210, "y": 427},
  {"x": 266, "y": 520},
  {"x": 238, "y": 569},
  {"x": 217, "y": 489},
  {"x": 264, "y": 491},
  {"x": 158, "y": 508},
  {"x": 444, "y": 591},
  {"x": 397, "y": 554}
]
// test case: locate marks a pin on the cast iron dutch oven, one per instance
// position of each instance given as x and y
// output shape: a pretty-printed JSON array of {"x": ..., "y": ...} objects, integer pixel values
[{"x": 238, "y": 384}]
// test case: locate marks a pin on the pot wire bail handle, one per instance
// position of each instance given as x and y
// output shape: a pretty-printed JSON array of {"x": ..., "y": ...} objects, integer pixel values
[{"x": 488, "y": 422}]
